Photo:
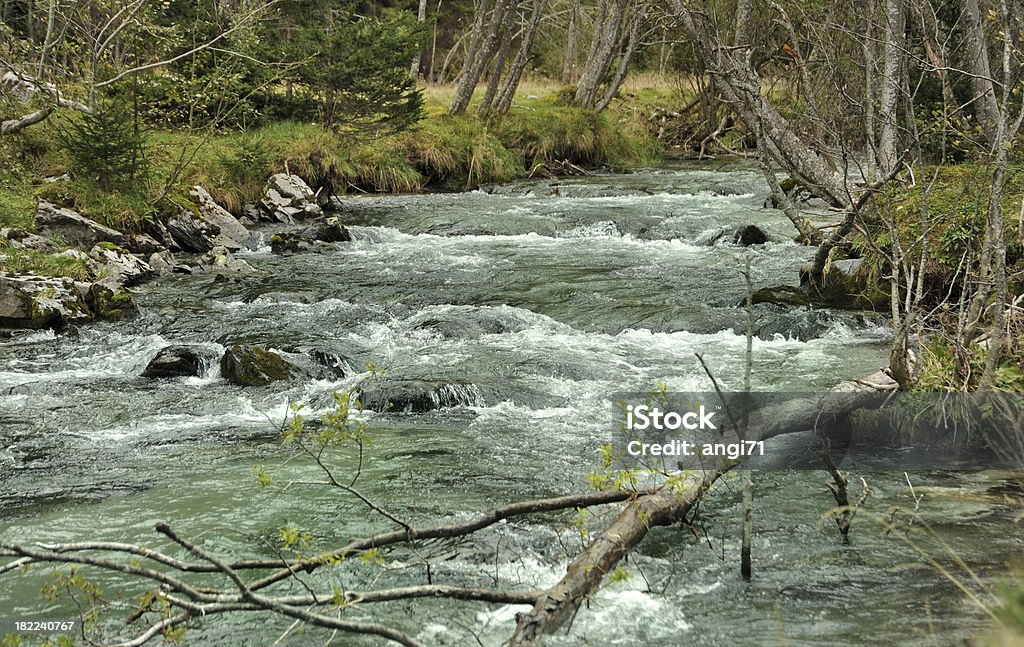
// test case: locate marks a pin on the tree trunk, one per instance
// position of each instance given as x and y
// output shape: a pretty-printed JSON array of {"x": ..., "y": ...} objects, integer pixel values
[
  {"x": 895, "y": 28},
  {"x": 569, "y": 57},
  {"x": 559, "y": 604},
  {"x": 624, "y": 60},
  {"x": 421, "y": 16},
  {"x": 498, "y": 69},
  {"x": 982, "y": 88},
  {"x": 515, "y": 73},
  {"x": 606, "y": 36},
  {"x": 478, "y": 61}
]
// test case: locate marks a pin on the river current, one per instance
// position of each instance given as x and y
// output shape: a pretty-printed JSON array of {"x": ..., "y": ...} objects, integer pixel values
[{"x": 507, "y": 317}]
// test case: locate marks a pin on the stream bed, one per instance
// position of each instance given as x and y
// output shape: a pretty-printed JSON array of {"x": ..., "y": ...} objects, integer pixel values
[{"x": 514, "y": 313}]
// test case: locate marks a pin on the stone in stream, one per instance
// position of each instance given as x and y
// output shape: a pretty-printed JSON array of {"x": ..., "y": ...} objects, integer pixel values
[
  {"x": 330, "y": 230},
  {"x": 111, "y": 302},
  {"x": 174, "y": 361},
  {"x": 74, "y": 228},
  {"x": 416, "y": 396},
  {"x": 749, "y": 235},
  {"x": 246, "y": 365},
  {"x": 288, "y": 198},
  {"x": 780, "y": 295}
]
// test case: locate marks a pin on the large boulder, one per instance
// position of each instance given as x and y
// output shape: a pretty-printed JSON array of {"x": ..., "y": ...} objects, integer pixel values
[
  {"x": 36, "y": 302},
  {"x": 253, "y": 366},
  {"x": 74, "y": 228},
  {"x": 288, "y": 198},
  {"x": 191, "y": 234},
  {"x": 115, "y": 266},
  {"x": 232, "y": 234},
  {"x": 175, "y": 361}
]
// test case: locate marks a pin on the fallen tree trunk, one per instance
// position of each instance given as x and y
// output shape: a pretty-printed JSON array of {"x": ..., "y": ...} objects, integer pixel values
[{"x": 559, "y": 604}]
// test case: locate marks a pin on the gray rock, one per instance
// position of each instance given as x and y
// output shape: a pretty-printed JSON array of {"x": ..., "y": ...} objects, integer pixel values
[
  {"x": 288, "y": 198},
  {"x": 221, "y": 260},
  {"x": 115, "y": 266},
  {"x": 161, "y": 262},
  {"x": 175, "y": 361},
  {"x": 233, "y": 235},
  {"x": 253, "y": 366},
  {"x": 74, "y": 228},
  {"x": 143, "y": 245},
  {"x": 330, "y": 230},
  {"x": 192, "y": 234},
  {"x": 36, "y": 302},
  {"x": 22, "y": 239}
]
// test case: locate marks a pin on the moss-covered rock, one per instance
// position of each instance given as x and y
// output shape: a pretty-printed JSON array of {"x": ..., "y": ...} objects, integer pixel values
[
  {"x": 253, "y": 366},
  {"x": 111, "y": 303},
  {"x": 36, "y": 302},
  {"x": 781, "y": 295}
]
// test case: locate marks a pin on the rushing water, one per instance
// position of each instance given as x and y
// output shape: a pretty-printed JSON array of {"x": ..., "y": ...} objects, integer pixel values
[{"x": 514, "y": 313}]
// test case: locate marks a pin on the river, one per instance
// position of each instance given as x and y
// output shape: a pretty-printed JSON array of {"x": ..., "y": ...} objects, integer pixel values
[{"x": 514, "y": 312}]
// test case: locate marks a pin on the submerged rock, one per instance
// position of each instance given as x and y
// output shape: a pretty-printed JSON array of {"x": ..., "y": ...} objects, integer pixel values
[
  {"x": 74, "y": 228},
  {"x": 417, "y": 396},
  {"x": 174, "y": 361},
  {"x": 253, "y": 366}
]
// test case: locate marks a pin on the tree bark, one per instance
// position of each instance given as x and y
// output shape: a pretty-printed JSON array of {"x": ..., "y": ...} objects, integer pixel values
[
  {"x": 498, "y": 69},
  {"x": 569, "y": 57},
  {"x": 421, "y": 16},
  {"x": 895, "y": 27},
  {"x": 477, "y": 62},
  {"x": 607, "y": 30},
  {"x": 515, "y": 73},
  {"x": 982, "y": 88}
]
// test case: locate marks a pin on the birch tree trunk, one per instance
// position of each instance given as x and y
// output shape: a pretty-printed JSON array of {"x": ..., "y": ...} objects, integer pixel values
[
  {"x": 602, "y": 50},
  {"x": 569, "y": 57},
  {"x": 895, "y": 27},
  {"x": 478, "y": 60},
  {"x": 515, "y": 73},
  {"x": 978, "y": 68}
]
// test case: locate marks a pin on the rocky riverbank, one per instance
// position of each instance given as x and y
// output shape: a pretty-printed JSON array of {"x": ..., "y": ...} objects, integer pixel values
[{"x": 201, "y": 239}]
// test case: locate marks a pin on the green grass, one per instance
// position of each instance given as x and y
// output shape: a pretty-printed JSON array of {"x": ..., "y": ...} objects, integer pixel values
[{"x": 26, "y": 261}]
